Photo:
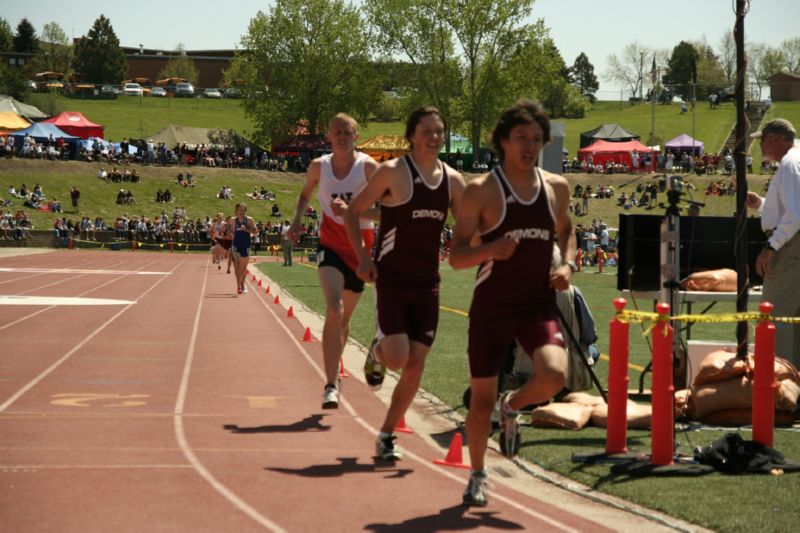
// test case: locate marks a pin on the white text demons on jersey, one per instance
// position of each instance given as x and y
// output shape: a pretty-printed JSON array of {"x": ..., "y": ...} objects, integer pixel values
[
  {"x": 528, "y": 233},
  {"x": 428, "y": 213}
]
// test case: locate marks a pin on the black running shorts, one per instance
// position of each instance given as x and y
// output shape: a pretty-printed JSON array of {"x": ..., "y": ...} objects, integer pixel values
[
  {"x": 413, "y": 311},
  {"x": 326, "y": 257}
]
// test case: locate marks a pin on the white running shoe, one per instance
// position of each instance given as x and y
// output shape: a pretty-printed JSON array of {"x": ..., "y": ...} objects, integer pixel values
[
  {"x": 476, "y": 491},
  {"x": 386, "y": 449},
  {"x": 330, "y": 397},
  {"x": 509, "y": 429}
]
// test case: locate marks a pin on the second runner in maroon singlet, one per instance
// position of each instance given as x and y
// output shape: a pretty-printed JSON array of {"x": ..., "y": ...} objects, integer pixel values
[{"x": 407, "y": 259}]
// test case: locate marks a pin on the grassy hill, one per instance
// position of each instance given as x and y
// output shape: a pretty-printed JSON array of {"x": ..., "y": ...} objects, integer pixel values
[{"x": 132, "y": 117}]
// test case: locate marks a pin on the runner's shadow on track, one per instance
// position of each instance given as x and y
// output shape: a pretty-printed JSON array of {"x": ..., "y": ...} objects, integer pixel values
[
  {"x": 457, "y": 518},
  {"x": 346, "y": 465},
  {"x": 222, "y": 295},
  {"x": 309, "y": 423}
]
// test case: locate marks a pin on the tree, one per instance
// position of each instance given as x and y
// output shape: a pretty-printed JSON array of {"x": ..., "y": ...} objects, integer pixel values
[
  {"x": 631, "y": 67},
  {"x": 98, "y": 56},
  {"x": 6, "y": 36},
  {"x": 681, "y": 72},
  {"x": 710, "y": 74},
  {"x": 727, "y": 57},
  {"x": 55, "y": 51},
  {"x": 12, "y": 82},
  {"x": 488, "y": 32},
  {"x": 25, "y": 38},
  {"x": 418, "y": 31},
  {"x": 582, "y": 75},
  {"x": 180, "y": 66},
  {"x": 791, "y": 53},
  {"x": 303, "y": 62},
  {"x": 762, "y": 62}
]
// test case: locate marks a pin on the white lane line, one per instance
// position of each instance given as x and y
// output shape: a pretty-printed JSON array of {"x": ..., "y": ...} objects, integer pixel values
[
  {"x": 180, "y": 434},
  {"x": 35, "y": 381},
  {"x": 84, "y": 271},
  {"x": 428, "y": 464},
  {"x": 31, "y": 315},
  {"x": 58, "y": 300},
  {"x": 21, "y": 278}
]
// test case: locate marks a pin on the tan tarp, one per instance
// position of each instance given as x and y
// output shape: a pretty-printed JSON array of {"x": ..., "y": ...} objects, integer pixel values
[
  {"x": 30, "y": 112},
  {"x": 385, "y": 147},
  {"x": 10, "y": 121},
  {"x": 173, "y": 135}
]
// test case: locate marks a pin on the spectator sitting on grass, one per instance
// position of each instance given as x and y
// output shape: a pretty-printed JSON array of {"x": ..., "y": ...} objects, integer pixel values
[
  {"x": 32, "y": 201},
  {"x": 54, "y": 205},
  {"x": 276, "y": 211}
]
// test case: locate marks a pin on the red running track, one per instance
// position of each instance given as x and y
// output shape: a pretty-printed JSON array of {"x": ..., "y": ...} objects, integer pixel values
[{"x": 188, "y": 408}]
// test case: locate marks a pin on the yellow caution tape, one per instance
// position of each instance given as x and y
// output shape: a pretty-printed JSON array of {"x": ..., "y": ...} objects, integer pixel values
[{"x": 643, "y": 316}]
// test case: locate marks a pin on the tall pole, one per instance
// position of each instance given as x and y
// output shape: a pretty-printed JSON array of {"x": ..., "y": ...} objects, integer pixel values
[{"x": 740, "y": 250}]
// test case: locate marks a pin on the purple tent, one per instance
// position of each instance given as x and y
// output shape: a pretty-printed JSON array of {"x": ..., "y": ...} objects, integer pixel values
[{"x": 684, "y": 143}]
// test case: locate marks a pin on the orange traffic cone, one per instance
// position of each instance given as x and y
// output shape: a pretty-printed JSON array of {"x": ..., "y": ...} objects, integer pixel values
[
  {"x": 453, "y": 457},
  {"x": 402, "y": 427},
  {"x": 307, "y": 336},
  {"x": 267, "y": 291},
  {"x": 290, "y": 312},
  {"x": 259, "y": 283},
  {"x": 254, "y": 277},
  {"x": 277, "y": 299},
  {"x": 343, "y": 373}
]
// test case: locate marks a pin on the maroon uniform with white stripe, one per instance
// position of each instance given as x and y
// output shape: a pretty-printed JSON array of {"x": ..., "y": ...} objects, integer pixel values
[
  {"x": 513, "y": 298},
  {"x": 407, "y": 259}
]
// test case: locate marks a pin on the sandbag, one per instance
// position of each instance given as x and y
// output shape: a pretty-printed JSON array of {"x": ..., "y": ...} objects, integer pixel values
[
  {"x": 583, "y": 399},
  {"x": 638, "y": 415},
  {"x": 742, "y": 417},
  {"x": 736, "y": 393},
  {"x": 722, "y": 280},
  {"x": 561, "y": 416},
  {"x": 720, "y": 365},
  {"x": 786, "y": 394}
]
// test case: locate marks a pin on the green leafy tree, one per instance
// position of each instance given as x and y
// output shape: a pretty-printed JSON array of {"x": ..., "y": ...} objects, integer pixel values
[
  {"x": 417, "y": 31},
  {"x": 98, "y": 56},
  {"x": 790, "y": 48},
  {"x": 682, "y": 69},
  {"x": 488, "y": 33},
  {"x": 582, "y": 75},
  {"x": 25, "y": 39},
  {"x": 763, "y": 61},
  {"x": 12, "y": 82},
  {"x": 6, "y": 36},
  {"x": 303, "y": 62},
  {"x": 180, "y": 66},
  {"x": 55, "y": 51},
  {"x": 711, "y": 77}
]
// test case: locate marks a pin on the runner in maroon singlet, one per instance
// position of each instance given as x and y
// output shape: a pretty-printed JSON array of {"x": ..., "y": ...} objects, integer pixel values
[
  {"x": 519, "y": 213},
  {"x": 414, "y": 192}
]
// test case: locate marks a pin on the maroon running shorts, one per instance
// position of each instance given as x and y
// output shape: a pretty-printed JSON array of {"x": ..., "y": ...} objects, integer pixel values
[
  {"x": 490, "y": 336},
  {"x": 411, "y": 311}
]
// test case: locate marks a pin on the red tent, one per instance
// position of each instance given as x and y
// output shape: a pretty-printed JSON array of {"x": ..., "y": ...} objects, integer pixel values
[
  {"x": 76, "y": 124},
  {"x": 618, "y": 152}
]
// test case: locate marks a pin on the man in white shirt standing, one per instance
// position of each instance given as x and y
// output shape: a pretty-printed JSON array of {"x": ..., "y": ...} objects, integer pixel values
[{"x": 780, "y": 220}]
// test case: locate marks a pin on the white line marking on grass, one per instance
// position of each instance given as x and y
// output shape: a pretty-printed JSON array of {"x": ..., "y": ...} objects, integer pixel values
[{"x": 180, "y": 434}]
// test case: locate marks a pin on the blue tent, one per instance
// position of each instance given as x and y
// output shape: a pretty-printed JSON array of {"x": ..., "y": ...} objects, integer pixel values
[{"x": 41, "y": 133}]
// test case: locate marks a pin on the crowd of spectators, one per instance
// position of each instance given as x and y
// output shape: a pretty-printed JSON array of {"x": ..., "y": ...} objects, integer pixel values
[
  {"x": 51, "y": 149},
  {"x": 15, "y": 226},
  {"x": 119, "y": 176}
]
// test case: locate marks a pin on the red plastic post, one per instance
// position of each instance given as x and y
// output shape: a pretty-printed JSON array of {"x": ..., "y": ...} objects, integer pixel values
[
  {"x": 133, "y": 246},
  {"x": 69, "y": 243},
  {"x": 663, "y": 420},
  {"x": 171, "y": 247},
  {"x": 763, "y": 415},
  {"x": 579, "y": 259},
  {"x": 618, "y": 348},
  {"x": 600, "y": 257}
]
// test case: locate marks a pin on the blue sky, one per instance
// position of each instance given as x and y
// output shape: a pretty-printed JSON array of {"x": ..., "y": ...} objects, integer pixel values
[{"x": 595, "y": 28}]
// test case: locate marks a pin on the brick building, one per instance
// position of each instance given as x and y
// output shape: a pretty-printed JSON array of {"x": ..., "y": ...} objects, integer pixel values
[{"x": 785, "y": 87}]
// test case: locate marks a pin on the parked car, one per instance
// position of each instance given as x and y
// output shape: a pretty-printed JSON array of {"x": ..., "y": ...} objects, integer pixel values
[
  {"x": 212, "y": 93},
  {"x": 132, "y": 89},
  {"x": 184, "y": 89},
  {"x": 233, "y": 92},
  {"x": 158, "y": 91},
  {"x": 109, "y": 91}
]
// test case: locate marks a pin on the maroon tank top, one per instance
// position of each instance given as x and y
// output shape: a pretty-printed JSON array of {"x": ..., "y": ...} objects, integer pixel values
[
  {"x": 523, "y": 280},
  {"x": 410, "y": 232}
]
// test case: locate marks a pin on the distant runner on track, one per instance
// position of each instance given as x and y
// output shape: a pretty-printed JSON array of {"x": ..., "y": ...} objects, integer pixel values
[{"x": 243, "y": 229}]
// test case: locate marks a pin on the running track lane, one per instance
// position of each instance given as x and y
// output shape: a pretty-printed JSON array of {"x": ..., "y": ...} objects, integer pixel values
[{"x": 195, "y": 409}]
